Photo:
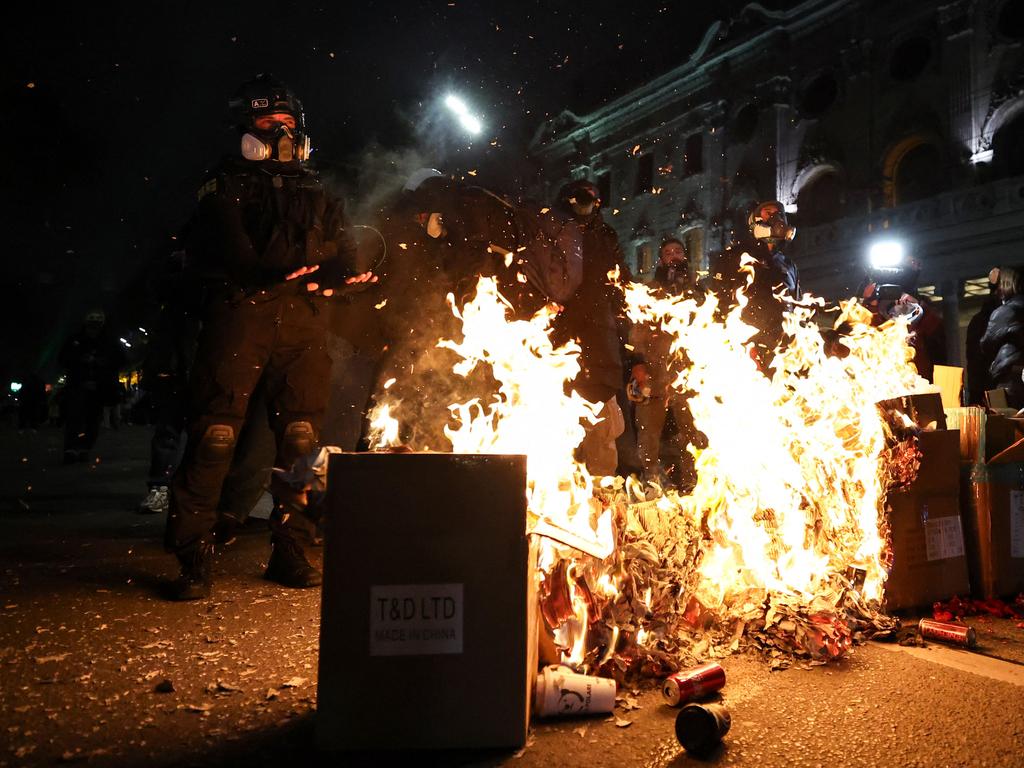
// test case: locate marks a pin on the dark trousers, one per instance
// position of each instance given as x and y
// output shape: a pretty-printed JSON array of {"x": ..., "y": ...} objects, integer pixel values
[
  {"x": 279, "y": 343},
  {"x": 165, "y": 449},
  {"x": 83, "y": 414},
  {"x": 253, "y": 463}
]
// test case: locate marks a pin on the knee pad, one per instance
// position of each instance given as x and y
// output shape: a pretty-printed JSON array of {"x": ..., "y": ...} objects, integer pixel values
[
  {"x": 217, "y": 443},
  {"x": 299, "y": 440}
]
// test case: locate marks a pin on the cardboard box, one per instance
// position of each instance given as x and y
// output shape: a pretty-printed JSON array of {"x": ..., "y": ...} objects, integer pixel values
[
  {"x": 924, "y": 410},
  {"x": 992, "y": 497},
  {"x": 428, "y": 624},
  {"x": 994, "y": 526},
  {"x": 929, "y": 561},
  {"x": 983, "y": 434}
]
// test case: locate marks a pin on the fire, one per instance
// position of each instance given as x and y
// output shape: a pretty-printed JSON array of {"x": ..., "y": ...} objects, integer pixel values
[
  {"x": 384, "y": 427},
  {"x": 790, "y": 488},
  {"x": 531, "y": 413}
]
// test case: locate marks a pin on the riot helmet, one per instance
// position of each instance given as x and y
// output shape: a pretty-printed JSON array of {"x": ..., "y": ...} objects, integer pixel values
[
  {"x": 768, "y": 223},
  {"x": 579, "y": 197},
  {"x": 270, "y": 118}
]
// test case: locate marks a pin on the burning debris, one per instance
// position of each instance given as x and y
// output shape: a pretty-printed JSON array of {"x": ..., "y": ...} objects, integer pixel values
[{"x": 781, "y": 546}]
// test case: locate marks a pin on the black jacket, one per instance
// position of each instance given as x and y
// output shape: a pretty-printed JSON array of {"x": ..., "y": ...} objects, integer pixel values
[
  {"x": 253, "y": 226},
  {"x": 594, "y": 315},
  {"x": 1004, "y": 341},
  {"x": 978, "y": 378},
  {"x": 773, "y": 273}
]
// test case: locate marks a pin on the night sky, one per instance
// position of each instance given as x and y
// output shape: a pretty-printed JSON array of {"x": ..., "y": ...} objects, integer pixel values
[{"x": 111, "y": 113}]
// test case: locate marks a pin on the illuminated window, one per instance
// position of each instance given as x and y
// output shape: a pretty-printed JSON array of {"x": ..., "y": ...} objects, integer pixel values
[{"x": 644, "y": 258}]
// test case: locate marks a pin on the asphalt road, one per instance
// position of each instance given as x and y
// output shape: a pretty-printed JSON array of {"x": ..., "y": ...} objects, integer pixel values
[{"x": 85, "y": 641}]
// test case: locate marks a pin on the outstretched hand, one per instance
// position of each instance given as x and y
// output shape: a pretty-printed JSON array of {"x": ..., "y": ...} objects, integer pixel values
[{"x": 312, "y": 287}]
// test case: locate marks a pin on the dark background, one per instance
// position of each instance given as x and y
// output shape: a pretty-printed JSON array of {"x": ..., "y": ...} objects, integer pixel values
[{"x": 111, "y": 112}]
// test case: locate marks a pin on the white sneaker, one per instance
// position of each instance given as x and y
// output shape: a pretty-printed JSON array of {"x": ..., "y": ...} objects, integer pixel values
[{"x": 156, "y": 501}]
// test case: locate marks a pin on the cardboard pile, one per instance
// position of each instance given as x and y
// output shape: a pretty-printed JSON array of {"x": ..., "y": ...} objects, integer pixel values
[
  {"x": 428, "y": 623},
  {"x": 992, "y": 471}
]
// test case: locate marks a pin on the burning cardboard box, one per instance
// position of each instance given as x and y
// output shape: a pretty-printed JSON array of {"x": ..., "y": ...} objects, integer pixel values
[
  {"x": 428, "y": 631},
  {"x": 929, "y": 559}
]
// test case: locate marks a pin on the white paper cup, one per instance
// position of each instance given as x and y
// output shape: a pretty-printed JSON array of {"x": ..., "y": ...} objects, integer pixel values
[{"x": 561, "y": 693}]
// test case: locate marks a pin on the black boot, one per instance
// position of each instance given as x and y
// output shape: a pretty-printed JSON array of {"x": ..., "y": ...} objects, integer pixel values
[
  {"x": 196, "y": 579},
  {"x": 289, "y": 567}
]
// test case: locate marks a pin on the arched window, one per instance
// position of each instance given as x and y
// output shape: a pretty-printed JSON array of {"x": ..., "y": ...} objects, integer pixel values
[
  {"x": 1008, "y": 147},
  {"x": 914, "y": 170},
  {"x": 918, "y": 174},
  {"x": 822, "y": 199}
]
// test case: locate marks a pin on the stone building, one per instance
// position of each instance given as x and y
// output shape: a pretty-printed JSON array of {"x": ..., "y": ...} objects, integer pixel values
[{"x": 868, "y": 119}]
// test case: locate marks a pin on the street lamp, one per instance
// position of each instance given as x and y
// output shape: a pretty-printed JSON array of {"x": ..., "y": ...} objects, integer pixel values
[{"x": 470, "y": 122}]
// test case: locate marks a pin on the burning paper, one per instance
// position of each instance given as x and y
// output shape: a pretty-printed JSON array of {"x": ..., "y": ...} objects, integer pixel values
[{"x": 781, "y": 543}]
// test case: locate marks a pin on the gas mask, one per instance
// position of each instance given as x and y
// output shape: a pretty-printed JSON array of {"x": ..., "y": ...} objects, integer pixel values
[
  {"x": 768, "y": 223},
  {"x": 282, "y": 145}
]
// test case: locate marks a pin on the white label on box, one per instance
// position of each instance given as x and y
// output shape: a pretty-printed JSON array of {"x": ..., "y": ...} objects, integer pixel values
[
  {"x": 415, "y": 619},
  {"x": 943, "y": 537},
  {"x": 1016, "y": 523}
]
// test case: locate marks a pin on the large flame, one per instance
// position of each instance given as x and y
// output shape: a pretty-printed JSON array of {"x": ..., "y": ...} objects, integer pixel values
[
  {"x": 531, "y": 413},
  {"x": 789, "y": 494},
  {"x": 790, "y": 487}
]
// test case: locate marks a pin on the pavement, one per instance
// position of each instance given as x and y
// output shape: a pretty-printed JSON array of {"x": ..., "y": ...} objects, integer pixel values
[{"x": 96, "y": 669}]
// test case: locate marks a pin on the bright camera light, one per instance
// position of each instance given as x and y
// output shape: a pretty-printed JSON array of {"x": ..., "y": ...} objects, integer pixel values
[
  {"x": 15, "y": 387},
  {"x": 886, "y": 254},
  {"x": 471, "y": 123}
]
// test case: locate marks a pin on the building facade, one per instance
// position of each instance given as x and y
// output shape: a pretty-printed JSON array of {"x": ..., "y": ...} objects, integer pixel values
[{"x": 868, "y": 119}]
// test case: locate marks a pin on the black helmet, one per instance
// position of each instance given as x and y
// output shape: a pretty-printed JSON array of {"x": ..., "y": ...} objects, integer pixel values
[
  {"x": 767, "y": 221},
  {"x": 264, "y": 95},
  {"x": 579, "y": 191}
]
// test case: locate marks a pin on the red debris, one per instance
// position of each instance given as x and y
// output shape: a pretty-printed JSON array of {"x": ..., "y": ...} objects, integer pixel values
[{"x": 957, "y": 608}]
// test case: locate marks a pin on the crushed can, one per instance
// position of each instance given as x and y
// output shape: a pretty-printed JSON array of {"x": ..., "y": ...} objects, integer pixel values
[
  {"x": 690, "y": 684},
  {"x": 701, "y": 727},
  {"x": 957, "y": 634}
]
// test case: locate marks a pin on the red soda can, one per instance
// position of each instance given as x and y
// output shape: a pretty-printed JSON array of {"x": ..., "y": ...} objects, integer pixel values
[
  {"x": 958, "y": 634},
  {"x": 690, "y": 684}
]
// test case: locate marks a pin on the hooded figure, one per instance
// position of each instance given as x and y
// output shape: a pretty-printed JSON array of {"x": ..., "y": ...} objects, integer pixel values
[{"x": 776, "y": 281}]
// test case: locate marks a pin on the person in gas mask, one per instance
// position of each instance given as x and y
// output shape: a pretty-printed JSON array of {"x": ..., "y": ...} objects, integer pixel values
[
  {"x": 891, "y": 292},
  {"x": 270, "y": 242},
  {"x": 653, "y": 372},
  {"x": 92, "y": 359},
  {"x": 594, "y": 316},
  {"x": 775, "y": 278}
]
